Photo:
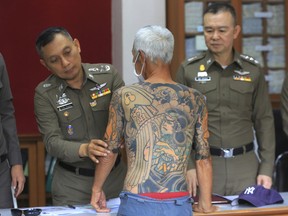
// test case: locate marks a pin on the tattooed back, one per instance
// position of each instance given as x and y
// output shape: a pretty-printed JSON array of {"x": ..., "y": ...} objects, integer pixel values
[{"x": 159, "y": 122}]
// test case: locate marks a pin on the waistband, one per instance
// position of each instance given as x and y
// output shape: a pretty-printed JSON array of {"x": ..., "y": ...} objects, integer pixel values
[
  {"x": 231, "y": 152},
  {"x": 140, "y": 198},
  {"x": 169, "y": 195},
  {"x": 3, "y": 157}
]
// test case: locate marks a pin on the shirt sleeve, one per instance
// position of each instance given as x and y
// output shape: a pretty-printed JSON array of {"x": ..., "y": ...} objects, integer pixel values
[
  {"x": 48, "y": 126},
  {"x": 264, "y": 126},
  {"x": 8, "y": 122}
]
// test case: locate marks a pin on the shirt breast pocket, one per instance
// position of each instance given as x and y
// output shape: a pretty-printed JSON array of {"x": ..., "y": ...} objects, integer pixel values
[
  {"x": 241, "y": 94},
  {"x": 209, "y": 90},
  {"x": 101, "y": 114},
  {"x": 72, "y": 125}
]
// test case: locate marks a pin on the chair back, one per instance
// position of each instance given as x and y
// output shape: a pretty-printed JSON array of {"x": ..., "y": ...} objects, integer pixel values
[{"x": 280, "y": 175}]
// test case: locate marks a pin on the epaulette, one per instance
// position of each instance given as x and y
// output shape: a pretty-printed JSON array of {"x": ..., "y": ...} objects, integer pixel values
[
  {"x": 195, "y": 58},
  {"x": 47, "y": 84},
  {"x": 99, "y": 68},
  {"x": 249, "y": 59}
]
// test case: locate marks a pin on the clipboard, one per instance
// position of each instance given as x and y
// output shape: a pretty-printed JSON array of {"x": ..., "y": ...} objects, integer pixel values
[{"x": 216, "y": 199}]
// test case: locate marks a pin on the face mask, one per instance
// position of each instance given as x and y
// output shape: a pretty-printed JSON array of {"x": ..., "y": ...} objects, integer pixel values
[{"x": 139, "y": 75}]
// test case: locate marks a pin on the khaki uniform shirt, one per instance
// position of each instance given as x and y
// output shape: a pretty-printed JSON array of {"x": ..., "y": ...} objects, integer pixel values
[
  {"x": 237, "y": 101},
  {"x": 70, "y": 117}
]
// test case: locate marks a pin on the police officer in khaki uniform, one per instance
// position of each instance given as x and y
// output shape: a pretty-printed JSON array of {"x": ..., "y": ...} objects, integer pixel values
[
  {"x": 237, "y": 101},
  {"x": 71, "y": 108},
  {"x": 11, "y": 169}
]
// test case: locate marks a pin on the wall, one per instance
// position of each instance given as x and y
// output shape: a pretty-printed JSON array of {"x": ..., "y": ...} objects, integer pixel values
[
  {"x": 127, "y": 17},
  {"x": 21, "y": 21}
]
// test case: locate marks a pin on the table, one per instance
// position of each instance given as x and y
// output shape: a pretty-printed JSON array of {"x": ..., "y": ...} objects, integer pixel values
[
  {"x": 7, "y": 212},
  {"x": 225, "y": 210},
  {"x": 246, "y": 210},
  {"x": 36, "y": 163}
]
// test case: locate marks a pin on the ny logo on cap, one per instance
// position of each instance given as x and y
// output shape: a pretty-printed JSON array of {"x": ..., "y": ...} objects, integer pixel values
[{"x": 249, "y": 190}]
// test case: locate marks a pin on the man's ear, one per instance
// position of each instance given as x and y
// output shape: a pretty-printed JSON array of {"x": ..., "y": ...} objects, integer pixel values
[
  {"x": 44, "y": 64},
  {"x": 237, "y": 31},
  {"x": 77, "y": 44},
  {"x": 142, "y": 56}
]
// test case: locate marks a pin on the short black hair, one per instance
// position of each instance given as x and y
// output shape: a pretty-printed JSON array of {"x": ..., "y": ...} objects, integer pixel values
[
  {"x": 46, "y": 36},
  {"x": 215, "y": 8}
]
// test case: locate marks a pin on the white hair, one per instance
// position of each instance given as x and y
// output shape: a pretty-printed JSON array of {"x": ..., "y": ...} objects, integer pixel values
[{"x": 156, "y": 42}]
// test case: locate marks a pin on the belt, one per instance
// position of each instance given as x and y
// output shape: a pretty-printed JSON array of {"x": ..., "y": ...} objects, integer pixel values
[
  {"x": 77, "y": 170},
  {"x": 231, "y": 152},
  {"x": 83, "y": 171},
  {"x": 3, "y": 157}
]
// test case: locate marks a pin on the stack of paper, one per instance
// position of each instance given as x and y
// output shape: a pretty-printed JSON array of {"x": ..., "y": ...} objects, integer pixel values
[{"x": 82, "y": 210}]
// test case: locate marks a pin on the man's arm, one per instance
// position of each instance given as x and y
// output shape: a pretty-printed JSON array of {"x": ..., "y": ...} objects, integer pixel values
[
  {"x": 191, "y": 175},
  {"x": 8, "y": 124},
  {"x": 265, "y": 132},
  {"x": 103, "y": 168},
  {"x": 203, "y": 160},
  {"x": 204, "y": 173},
  {"x": 113, "y": 135}
]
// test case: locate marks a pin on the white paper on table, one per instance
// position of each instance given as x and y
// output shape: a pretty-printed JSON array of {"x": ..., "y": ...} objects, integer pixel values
[{"x": 113, "y": 204}]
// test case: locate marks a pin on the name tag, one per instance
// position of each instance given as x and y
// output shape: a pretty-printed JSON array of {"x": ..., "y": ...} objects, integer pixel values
[{"x": 65, "y": 106}]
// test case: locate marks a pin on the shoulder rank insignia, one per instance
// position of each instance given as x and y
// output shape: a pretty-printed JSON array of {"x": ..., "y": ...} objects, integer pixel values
[
  {"x": 249, "y": 58},
  {"x": 194, "y": 58},
  {"x": 100, "y": 68},
  {"x": 46, "y": 85}
]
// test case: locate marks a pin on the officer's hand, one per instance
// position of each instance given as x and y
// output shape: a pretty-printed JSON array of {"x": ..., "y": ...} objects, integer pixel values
[
  {"x": 97, "y": 148},
  {"x": 265, "y": 181},
  {"x": 18, "y": 179},
  {"x": 192, "y": 181}
]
